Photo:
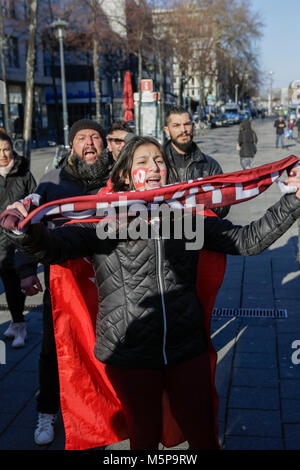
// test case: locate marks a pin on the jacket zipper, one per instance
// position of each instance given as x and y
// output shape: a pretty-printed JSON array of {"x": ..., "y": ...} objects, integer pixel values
[
  {"x": 159, "y": 244},
  {"x": 186, "y": 169}
]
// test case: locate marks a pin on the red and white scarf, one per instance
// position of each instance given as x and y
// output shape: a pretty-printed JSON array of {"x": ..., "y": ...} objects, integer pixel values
[{"x": 211, "y": 192}]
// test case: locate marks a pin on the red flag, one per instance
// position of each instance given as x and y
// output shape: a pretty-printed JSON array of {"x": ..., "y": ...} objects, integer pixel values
[
  {"x": 128, "y": 98},
  {"x": 92, "y": 413}
]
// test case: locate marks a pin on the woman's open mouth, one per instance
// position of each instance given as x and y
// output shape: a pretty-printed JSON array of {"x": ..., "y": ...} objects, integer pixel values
[{"x": 153, "y": 181}]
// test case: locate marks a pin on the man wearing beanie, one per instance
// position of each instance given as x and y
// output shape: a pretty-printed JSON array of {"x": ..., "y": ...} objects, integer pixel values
[{"x": 81, "y": 173}]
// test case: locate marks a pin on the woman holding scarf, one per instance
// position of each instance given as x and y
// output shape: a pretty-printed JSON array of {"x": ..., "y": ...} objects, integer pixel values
[{"x": 150, "y": 330}]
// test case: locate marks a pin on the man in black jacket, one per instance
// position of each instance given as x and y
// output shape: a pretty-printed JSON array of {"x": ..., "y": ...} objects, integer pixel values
[
  {"x": 188, "y": 162},
  {"x": 280, "y": 125},
  {"x": 83, "y": 172}
]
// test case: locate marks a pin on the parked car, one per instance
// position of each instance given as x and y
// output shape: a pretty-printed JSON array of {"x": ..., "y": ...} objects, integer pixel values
[
  {"x": 220, "y": 120},
  {"x": 131, "y": 125},
  {"x": 245, "y": 114}
]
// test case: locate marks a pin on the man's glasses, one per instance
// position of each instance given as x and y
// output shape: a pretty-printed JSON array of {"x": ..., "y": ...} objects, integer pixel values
[{"x": 116, "y": 141}]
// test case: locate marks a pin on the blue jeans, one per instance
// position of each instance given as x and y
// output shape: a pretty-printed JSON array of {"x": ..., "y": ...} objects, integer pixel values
[{"x": 281, "y": 137}]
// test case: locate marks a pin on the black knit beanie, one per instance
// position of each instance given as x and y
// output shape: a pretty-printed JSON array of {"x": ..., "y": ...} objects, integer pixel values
[{"x": 86, "y": 124}]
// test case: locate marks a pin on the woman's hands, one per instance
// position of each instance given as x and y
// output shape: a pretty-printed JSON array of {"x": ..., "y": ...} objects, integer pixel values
[
  {"x": 294, "y": 179},
  {"x": 13, "y": 214}
]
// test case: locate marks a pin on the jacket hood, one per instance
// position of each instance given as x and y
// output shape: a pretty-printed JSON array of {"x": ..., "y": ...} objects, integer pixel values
[
  {"x": 246, "y": 125},
  {"x": 21, "y": 164}
]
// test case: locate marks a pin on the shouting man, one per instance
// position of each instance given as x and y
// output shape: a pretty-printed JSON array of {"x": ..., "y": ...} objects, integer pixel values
[{"x": 82, "y": 173}]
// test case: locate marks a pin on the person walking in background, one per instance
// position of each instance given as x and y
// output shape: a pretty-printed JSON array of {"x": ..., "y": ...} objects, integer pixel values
[
  {"x": 16, "y": 181},
  {"x": 280, "y": 125},
  {"x": 297, "y": 124},
  {"x": 291, "y": 125},
  {"x": 247, "y": 141}
]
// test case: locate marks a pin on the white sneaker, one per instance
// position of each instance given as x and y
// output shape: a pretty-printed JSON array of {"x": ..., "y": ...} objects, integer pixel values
[
  {"x": 10, "y": 331},
  {"x": 44, "y": 432},
  {"x": 20, "y": 335}
]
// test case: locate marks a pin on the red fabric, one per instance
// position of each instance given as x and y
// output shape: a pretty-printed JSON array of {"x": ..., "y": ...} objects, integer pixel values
[
  {"x": 212, "y": 191},
  {"x": 91, "y": 411},
  {"x": 128, "y": 98}
]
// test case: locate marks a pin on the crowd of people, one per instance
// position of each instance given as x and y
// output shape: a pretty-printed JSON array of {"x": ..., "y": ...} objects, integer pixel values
[{"x": 152, "y": 340}]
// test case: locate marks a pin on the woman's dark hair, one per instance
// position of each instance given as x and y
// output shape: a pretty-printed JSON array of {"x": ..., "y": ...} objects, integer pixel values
[
  {"x": 122, "y": 167},
  {"x": 4, "y": 136}
]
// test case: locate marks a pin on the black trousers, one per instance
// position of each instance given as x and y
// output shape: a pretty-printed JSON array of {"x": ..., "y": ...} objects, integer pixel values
[
  {"x": 14, "y": 297},
  {"x": 48, "y": 397}
]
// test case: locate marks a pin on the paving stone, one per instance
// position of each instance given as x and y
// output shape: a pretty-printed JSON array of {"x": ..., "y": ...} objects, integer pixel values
[
  {"x": 290, "y": 388},
  {"x": 253, "y": 443},
  {"x": 19, "y": 381},
  {"x": 254, "y": 423},
  {"x": 292, "y": 436},
  {"x": 254, "y": 397},
  {"x": 290, "y": 410},
  {"x": 254, "y": 377},
  {"x": 255, "y": 360},
  {"x": 5, "y": 419},
  {"x": 18, "y": 438}
]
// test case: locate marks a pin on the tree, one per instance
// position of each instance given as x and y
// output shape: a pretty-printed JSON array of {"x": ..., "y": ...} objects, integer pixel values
[
  {"x": 3, "y": 70},
  {"x": 30, "y": 61},
  {"x": 236, "y": 30},
  {"x": 139, "y": 31}
]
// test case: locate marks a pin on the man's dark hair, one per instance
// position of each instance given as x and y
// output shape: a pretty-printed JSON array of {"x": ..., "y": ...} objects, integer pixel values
[
  {"x": 119, "y": 126},
  {"x": 176, "y": 109}
]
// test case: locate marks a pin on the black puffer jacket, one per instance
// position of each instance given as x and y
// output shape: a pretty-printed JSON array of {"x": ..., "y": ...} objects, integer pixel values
[
  {"x": 149, "y": 314},
  {"x": 61, "y": 183},
  {"x": 247, "y": 140},
  {"x": 198, "y": 165},
  {"x": 18, "y": 183}
]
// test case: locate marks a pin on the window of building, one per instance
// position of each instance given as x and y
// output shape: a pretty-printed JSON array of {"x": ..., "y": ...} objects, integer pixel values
[
  {"x": 8, "y": 8},
  {"x": 12, "y": 52}
]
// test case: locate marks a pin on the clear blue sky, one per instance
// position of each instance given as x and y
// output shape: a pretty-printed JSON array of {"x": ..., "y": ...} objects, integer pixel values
[{"x": 280, "y": 45}]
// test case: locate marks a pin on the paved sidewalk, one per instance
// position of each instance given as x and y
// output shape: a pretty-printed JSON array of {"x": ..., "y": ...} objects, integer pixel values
[{"x": 257, "y": 382}]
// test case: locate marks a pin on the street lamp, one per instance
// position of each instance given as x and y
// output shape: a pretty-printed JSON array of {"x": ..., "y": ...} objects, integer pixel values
[
  {"x": 270, "y": 94},
  {"x": 236, "y": 93},
  {"x": 60, "y": 26}
]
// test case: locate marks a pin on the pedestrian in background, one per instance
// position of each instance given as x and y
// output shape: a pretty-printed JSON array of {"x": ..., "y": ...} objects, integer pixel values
[
  {"x": 16, "y": 181},
  {"x": 297, "y": 124},
  {"x": 247, "y": 141},
  {"x": 280, "y": 125},
  {"x": 290, "y": 127}
]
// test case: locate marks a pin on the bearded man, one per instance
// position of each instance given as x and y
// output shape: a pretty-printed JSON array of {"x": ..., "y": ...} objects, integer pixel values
[
  {"x": 188, "y": 162},
  {"x": 83, "y": 172}
]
